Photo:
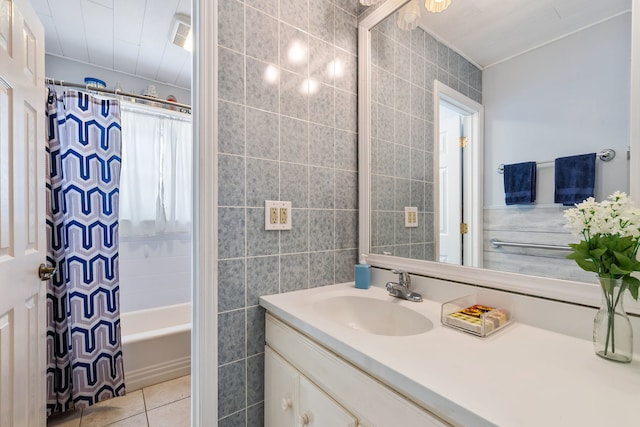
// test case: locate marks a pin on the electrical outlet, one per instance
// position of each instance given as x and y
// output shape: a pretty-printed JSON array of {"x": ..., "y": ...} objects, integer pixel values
[
  {"x": 410, "y": 216},
  {"x": 277, "y": 215},
  {"x": 285, "y": 216},
  {"x": 273, "y": 216}
]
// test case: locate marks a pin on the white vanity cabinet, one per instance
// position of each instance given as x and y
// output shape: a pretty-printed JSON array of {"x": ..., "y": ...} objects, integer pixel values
[
  {"x": 307, "y": 383},
  {"x": 292, "y": 400}
]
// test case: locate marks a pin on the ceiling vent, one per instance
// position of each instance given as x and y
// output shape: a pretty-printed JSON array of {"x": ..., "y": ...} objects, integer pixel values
[{"x": 181, "y": 32}]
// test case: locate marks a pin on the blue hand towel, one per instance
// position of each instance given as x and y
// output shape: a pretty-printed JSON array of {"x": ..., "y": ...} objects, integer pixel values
[
  {"x": 575, "y": 178},
  {"x": 520, "y": 183}
]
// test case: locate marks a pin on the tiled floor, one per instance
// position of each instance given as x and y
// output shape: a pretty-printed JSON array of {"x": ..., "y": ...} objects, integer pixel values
[{"x": 165, "y": 404}]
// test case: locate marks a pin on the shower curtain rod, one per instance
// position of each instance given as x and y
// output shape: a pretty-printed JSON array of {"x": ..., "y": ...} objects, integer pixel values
[{"x": 117, "y": 92}]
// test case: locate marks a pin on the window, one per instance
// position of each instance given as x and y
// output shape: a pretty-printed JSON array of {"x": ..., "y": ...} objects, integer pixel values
[{"x": 155, "y": 180}]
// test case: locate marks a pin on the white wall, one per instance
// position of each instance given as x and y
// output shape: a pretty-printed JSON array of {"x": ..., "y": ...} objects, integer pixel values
[
  {"x": 568, "y": 97},
  {"x": 154, "y": 271},
  {"x": 75, "y": 72}
]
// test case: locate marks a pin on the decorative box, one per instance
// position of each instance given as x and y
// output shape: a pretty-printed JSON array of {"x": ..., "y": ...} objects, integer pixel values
[{"x": 469, "y": 315}]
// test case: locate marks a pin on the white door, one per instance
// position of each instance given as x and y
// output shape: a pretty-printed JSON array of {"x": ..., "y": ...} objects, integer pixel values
[
  {"x": 22, "y": 221},
  {"x": 450, "y": 186}
]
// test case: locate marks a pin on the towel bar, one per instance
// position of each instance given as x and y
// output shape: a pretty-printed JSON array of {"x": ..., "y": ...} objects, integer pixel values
[
  {"x": 495, "y": 243},
  {"x": 605, "y": 155}
]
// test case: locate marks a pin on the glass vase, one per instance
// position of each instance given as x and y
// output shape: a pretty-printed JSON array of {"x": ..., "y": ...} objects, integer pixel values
[{"x": 612, "y": 333}]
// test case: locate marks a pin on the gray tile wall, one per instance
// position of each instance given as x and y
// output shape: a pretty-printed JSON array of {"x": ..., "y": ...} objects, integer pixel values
[
  {"x": 278, "y": 143},
  {"x": 405, "y": 65}
]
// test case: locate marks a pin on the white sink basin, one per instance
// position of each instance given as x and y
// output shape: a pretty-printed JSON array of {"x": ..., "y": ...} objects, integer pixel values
[{"x": 373, "y": 316}]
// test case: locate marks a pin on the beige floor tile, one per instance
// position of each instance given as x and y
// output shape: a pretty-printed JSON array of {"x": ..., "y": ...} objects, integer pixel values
[
  {"x": 139, "y": 420},
  {"x": 112, "y": 410},
  {"x": 167, "y": 392},
  {"x": 176, "y": 414},
  {"x": 67, "y": 419}
]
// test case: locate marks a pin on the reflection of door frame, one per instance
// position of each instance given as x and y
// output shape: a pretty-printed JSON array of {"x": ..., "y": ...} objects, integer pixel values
[
  {"x": 473, "y": 176},
  {"x": 449, "y": 174}
]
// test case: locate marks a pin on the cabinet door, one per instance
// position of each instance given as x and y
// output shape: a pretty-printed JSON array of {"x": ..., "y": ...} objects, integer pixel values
[
  {"x": 280, "y": 390},
  {"x": 319, "y": 410}
]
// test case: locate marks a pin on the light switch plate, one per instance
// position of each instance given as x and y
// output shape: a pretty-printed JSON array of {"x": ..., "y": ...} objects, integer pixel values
[{"x": 410, "y": 216}]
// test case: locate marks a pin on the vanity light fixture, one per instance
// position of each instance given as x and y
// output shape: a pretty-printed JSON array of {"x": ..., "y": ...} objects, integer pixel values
[
  {"x": 435, "y": 6},
  {"x": 409, "y": 16}
]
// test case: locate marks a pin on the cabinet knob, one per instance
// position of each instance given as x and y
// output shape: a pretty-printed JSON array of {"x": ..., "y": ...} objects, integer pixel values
[
  {"x": 304, "y": 419},
  {"x": 286, "y": 404}
]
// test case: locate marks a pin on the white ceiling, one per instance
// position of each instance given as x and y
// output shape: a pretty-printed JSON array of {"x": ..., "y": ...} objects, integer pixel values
[
  {"x": 131, "y": 36},
  {"x": 489, "y": 31}
]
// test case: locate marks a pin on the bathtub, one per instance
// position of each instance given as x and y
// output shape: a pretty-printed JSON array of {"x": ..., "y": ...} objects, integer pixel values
[{"x": 156, "y": 345}]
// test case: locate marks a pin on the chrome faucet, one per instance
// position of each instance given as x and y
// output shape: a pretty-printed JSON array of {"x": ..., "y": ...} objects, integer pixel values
[{"x": 401, "y": 289}]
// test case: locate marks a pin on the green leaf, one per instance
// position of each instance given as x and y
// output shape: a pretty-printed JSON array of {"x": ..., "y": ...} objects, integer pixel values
[
  {"x": 633, "y": 284},
  {"x": 580, "y": 246},
  {"x": 607, "y": 285},
  {"x": 587, "y": 265},
  {"x": 624, "y": 243},
  {"x": 624, "y": 261},
  {"x": 597, "y": 253},
  {"x": 579, "y": 255},
  {"x": 614, "y": 269}
]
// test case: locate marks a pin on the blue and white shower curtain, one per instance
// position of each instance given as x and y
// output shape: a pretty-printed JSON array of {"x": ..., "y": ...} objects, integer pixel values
[{"x": 83, "y": 298}]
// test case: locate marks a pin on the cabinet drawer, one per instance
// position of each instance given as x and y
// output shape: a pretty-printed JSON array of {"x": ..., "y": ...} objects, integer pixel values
[{"x": 373, "y": 403}]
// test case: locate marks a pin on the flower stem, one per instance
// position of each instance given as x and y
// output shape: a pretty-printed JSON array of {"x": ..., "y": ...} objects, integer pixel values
[{"x": 610, "y": 315}]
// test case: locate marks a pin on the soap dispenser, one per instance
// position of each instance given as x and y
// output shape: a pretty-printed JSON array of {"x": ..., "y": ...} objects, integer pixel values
[{"x": 363, "y": 273}]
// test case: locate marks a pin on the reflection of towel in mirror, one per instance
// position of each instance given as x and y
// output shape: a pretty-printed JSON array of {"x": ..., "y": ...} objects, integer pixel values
[
  {"x": 520, "y": 183},
  {"x": 575, "y": 178}
]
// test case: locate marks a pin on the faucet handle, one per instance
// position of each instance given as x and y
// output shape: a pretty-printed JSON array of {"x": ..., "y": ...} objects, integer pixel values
[{"x": 403, "y": 278}]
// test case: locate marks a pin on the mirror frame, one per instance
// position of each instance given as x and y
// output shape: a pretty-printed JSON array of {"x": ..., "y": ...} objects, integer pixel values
[{"x": 581, "y": 293}]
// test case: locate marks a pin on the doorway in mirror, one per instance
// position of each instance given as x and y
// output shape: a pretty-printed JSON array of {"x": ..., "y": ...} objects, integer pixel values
[{"x": 458, "y": 162}]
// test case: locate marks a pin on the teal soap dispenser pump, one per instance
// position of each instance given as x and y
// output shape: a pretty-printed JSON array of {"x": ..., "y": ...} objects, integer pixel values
[{"x": 363, "y": 273}]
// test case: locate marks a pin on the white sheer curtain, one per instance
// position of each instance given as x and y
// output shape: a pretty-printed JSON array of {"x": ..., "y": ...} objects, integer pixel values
[{"x": 155, "y": 182}]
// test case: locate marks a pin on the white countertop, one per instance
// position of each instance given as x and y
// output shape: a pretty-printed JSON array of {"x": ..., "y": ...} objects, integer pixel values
[{"x": 520, "y": 376}]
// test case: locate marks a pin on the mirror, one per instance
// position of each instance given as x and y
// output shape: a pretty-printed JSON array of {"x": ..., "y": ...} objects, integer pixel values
[{"x": 531, "y": 113}]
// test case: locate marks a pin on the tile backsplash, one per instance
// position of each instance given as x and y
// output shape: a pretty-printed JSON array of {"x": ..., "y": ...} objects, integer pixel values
[{"x": 287, "y": 131}]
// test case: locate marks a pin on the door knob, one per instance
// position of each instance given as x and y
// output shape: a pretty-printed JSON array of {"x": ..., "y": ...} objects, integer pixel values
[{"x": 45, "y": 272}]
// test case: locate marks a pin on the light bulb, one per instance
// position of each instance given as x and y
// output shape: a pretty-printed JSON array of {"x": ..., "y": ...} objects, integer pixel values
[{"x": 435, "y": 6}]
